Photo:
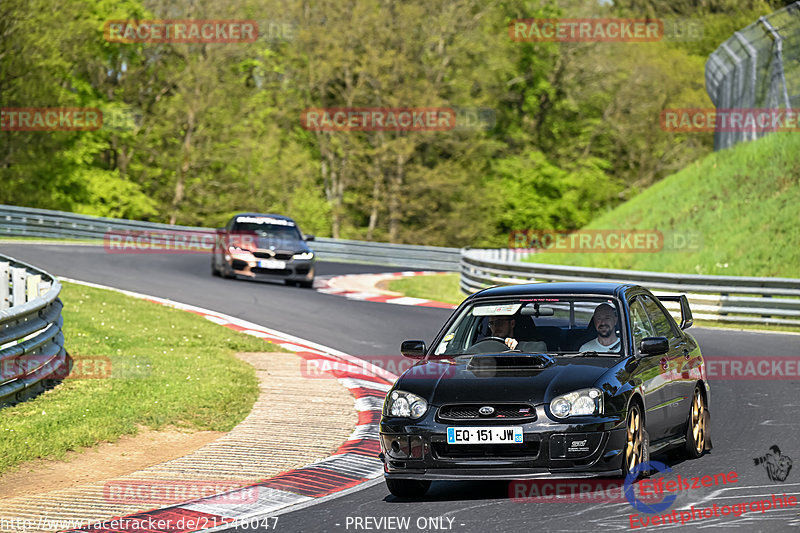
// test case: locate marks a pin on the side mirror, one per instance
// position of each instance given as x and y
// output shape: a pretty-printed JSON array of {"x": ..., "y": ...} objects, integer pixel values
[
  {"x": 654, "y": 346},
  {"x": 413, "y": 349},
  {"x": 308, "y": 237}
]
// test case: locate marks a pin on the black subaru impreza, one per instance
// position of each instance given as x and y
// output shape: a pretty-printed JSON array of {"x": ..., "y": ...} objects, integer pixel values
[{"x": 547, "y": 380}]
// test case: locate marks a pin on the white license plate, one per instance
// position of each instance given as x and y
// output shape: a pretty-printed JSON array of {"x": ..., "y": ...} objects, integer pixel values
[
  {"x": 486, "y": 435},
  {"x": 270, "y": 263}
]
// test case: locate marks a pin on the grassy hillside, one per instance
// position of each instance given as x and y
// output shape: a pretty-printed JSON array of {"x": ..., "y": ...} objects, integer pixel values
[{"x": 743, "y": 202}]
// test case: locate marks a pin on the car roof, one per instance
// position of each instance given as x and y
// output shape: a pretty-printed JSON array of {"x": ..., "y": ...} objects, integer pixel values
[
  {"x": 269, "y": 215},
  {"x": 577, "y": 288}
]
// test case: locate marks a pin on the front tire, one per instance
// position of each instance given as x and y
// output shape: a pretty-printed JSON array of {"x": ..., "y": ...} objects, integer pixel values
[
  {"x": 407, "y": 488},
  {"x": 227, "y": 271},
  {"x": 696, "y": 428},
  {"x": 635, "y": 450}
]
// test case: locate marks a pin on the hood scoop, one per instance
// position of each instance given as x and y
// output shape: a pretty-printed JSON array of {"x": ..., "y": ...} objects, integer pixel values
[{"x": 509, "y": 362}]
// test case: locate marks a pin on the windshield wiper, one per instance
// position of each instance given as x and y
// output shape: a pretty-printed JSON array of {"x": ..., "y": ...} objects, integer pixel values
[
  {"x": 592, "y": 353},
  {"x": 587, "y": 353}
]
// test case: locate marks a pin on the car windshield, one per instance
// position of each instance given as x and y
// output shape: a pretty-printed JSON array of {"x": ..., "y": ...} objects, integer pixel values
[
  {"x": 569, "y": 326},
  {"x": 272, "y": 231}
]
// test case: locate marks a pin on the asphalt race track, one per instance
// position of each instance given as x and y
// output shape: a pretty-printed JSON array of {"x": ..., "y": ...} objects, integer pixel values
[{"x": 748, "y": 416}]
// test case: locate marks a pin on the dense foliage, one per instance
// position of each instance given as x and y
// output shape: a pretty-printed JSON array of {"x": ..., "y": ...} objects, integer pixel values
[{"x": 207, "y": 130}]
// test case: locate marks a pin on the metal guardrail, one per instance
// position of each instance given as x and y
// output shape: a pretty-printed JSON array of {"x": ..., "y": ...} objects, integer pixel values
[
  {"x": 28, "y": 222},
  {"x": 31, "y": 341},
  {"x": 717, "y": 298},
  {"x": 756, "y": 68}
]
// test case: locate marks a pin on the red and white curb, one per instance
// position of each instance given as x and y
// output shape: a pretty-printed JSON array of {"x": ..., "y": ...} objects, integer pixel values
[
  {"x": 354, "y": 462},
  {"x": 329, "y": 286}
]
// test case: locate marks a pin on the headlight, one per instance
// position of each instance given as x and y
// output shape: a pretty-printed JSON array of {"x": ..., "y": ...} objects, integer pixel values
[
  {"x": 304, "y": 255},
  {"x": 578, "y": 403},
  {"x": 405, "y": 404}
]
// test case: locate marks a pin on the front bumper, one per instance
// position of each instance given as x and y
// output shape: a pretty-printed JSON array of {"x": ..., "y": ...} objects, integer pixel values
[
  {"x": 419, "y": 449},
  {"x": 288, "y": 269}
]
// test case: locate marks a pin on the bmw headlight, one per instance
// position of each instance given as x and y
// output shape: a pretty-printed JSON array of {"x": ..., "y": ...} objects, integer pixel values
[
  {"x": 304, "y": 255},
  {"x": 579, "y": 403},
  {"x": 404, "y": 404}
]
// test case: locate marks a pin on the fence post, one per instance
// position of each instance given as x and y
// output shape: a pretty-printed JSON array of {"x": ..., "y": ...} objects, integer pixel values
[
  {"x": 5, "y": 279},
  {"x": 18, "y": 288}
]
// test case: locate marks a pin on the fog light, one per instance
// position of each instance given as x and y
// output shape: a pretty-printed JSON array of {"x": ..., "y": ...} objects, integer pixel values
[{"x": 402, "y": 446}]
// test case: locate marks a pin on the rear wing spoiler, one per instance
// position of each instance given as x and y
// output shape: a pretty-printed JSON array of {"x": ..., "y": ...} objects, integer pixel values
[{"x": 686, "y": 312}]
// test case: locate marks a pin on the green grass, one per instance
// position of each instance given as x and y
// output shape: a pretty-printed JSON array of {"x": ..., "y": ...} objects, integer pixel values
[
  {"x": 97, "y": 242},
  {"x": 743, "y": 202},
  {"x": 169, "y": 368},
  {"x": 439, "y": 287}
]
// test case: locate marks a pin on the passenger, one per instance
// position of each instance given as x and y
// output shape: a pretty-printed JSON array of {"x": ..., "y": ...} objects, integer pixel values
[
  {"x": 605, "y": 322},
  {"x": 503, "y": 327}
]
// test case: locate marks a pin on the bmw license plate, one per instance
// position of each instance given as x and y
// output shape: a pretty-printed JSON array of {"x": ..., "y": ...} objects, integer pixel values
[
  {"x": 487, "y": 435},
  {"x": 271, "y": 263}
]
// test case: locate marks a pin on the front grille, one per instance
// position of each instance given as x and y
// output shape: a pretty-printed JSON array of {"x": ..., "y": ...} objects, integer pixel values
[
  {"x": 506, "y": 412},
  {"x": 280, "y": 256},
  {"x": 271, "y": 271},
  {"x": 481, "y": 451}
]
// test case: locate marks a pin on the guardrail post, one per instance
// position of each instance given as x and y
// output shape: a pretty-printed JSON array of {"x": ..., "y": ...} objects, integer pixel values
[
  {"x": 32, "y": 287},
  {"x": 18, "y": 288},
  {"x": 5, "y": 303},
  {"x": 723, "y": 295},
  {"x": 44, "y": 286},
  {"x": 766, "y": 296}
]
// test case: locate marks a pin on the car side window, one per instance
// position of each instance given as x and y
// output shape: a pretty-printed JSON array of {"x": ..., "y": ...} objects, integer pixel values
[
  {"x": 661, "y": 322},
  {"x": 640, "y": 323}
]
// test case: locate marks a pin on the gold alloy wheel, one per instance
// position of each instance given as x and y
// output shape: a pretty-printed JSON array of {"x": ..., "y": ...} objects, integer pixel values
[
  {"x": 699, "y": 421},
  {"x": 633, "y": 439}
]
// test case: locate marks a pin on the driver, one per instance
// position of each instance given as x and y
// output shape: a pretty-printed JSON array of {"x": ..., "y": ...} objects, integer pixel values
[
  {"x": 605, "y": 322},
  {"x": 503, "y": 327}
]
